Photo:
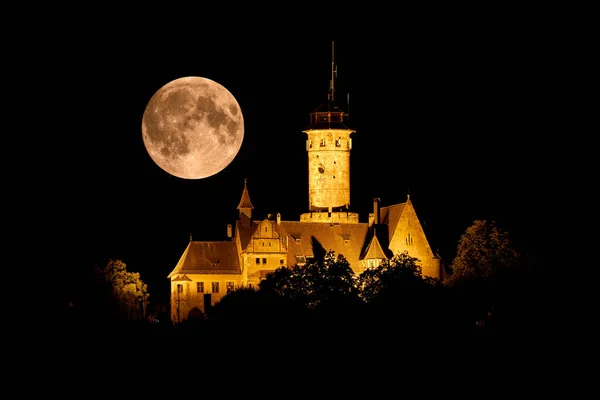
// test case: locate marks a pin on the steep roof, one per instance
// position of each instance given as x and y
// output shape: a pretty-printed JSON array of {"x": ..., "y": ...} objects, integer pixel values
[
  {"x": 245, "y": 231},
  {"x": 208, "y": 258},
  {"x": 306, "y": 237},
  {"x": 390, "y": 216},
  {"x": 374, "y": 250},
  {"x": 245, "y": 200}
]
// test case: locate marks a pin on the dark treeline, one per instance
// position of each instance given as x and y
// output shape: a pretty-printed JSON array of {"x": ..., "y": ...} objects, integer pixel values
[{"x": 493, "y": 294}]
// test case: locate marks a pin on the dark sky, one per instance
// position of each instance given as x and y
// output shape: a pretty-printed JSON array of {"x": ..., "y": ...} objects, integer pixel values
[{"x": 453, "y": 113}]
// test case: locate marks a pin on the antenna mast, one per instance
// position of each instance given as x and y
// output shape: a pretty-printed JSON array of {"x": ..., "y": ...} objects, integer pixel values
[{"x": 333, "y": 75}]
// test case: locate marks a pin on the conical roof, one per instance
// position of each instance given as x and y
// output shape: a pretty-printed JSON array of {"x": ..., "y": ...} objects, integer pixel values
[{"x": 245, "y": 200}]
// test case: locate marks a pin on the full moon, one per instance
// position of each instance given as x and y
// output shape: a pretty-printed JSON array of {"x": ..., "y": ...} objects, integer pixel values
[{"x": 193, "y": 127}]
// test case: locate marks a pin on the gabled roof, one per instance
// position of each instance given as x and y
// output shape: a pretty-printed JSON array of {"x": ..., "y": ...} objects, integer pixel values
[
  {"x": 374, "y": 250},
  {"x": 390, "y": 216},
  {"x": 208, "y": 258},
  {"x": 181, "y": 278},
  {"x": 245, "y": 231}
]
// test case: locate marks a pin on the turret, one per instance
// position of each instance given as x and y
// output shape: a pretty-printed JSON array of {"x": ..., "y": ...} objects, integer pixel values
[
  {"x": 328, "y": 146},
  {"x": 245, "y": 207}
]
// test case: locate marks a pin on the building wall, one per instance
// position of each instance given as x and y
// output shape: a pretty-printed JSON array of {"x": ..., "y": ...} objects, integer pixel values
[
  {"x": 328, "y": 168},
  {"x": 190, "y": 295},
  {"x": 266, "y": 251},
  {"x": 409, "y": 236}
]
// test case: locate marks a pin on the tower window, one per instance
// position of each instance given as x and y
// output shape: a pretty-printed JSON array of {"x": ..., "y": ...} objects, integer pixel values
[
  {"x": 257, "y": 260},
  {"x": 323, "y": 142},
  {"x": 338, "y": 142},
  {"x": 264, "y": 260}
]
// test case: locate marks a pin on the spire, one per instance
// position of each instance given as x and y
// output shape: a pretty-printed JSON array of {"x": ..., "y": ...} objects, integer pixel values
[
  {"x": 245, "y": 205},
  {"x": 333, "y": 76},
  {"x": 245, "y": 201},
  {"x": 329, "y": 116}
]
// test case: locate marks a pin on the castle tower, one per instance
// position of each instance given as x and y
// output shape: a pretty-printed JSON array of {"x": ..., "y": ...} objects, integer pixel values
[
  {"x": 245, "y": 207},
  {"x": 328, "y": 146}
]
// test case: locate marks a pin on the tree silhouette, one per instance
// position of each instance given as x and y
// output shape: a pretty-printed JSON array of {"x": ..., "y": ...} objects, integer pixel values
[
  {"x": 320, "y": 283},
  {"x": 129, "y": 292},
  {"x": 484, "y": 252},
  {"x": 485, "y": 264},
  {"x": 400, "y": 299}
]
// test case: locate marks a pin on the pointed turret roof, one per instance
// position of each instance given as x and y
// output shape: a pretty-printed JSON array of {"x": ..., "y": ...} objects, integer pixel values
[
  {"x": 245, "y": 200},
  {"x": 374, "y": 250}
]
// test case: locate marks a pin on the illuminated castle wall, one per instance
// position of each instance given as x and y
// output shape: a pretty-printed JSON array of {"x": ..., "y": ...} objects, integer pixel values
[{"x": 209, "y": 270}]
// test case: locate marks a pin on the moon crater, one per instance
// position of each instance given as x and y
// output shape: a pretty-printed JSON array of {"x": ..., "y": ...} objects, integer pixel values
[{"x": 193, "y": 127}]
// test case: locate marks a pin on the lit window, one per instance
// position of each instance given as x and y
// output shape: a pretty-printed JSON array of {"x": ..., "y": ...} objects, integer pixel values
[
  {"x": 229, "y": 287},
  {"x": 200, "y": 287},
  {"x": 338, "y": 142}
]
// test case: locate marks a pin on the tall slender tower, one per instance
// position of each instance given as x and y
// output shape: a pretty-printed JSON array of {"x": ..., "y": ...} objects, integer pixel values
[{"x": 328, "y": 146}]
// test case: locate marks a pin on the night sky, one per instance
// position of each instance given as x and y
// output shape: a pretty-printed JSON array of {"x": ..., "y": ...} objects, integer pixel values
[{"x": 451, "y": 113}]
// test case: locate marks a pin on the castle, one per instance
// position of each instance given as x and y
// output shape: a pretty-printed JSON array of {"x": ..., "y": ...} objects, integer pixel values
[{"x": 208, "y": 270}]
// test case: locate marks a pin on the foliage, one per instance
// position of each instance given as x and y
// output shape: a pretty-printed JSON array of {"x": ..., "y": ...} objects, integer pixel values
[
  {"x": 127, "y": 288},
  {"x": 399, "y": 298},
  {"x": 484, "y": 251},
  {"x": 257, "y": 311},
  {"x": 402, "y": 269},
  {"x": 320, "y": 283}
]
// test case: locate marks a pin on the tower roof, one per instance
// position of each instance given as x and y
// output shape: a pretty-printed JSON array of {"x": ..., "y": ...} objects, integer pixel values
[
  {"x": 329, "y": 116},
  {"x": 245, "y": 200}
]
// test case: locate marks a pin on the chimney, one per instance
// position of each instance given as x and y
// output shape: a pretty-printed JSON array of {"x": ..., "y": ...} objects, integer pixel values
[
  {"x": 229, "y": 233},
  {"x": 376, "y": 201},
  {"x": 278, "y": 218},
  {"x": 371, "y": 219}
]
